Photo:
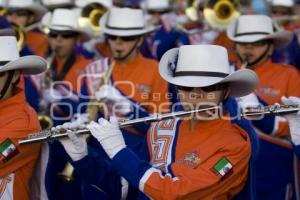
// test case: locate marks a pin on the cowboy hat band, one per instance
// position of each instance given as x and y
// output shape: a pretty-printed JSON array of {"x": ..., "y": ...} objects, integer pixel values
[
  {"x": 124, "y": 22},
  {"x": 254, "y": 28},
  {"x": 205, "y": 65}
]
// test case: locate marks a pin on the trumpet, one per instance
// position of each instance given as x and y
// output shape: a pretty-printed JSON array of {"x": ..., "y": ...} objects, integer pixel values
[{"x": 251, "y": 111}]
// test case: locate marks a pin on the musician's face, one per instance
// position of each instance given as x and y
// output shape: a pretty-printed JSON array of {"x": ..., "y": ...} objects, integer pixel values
[
  {"x": 20, "y": 17},
  {"x": 62, "y": 42},
  {"x": 122, "y": 46},
  {"x": 195, "y": 98},
  {"x": 3, "y": 80},
  {"x": 250, "y": 52}
]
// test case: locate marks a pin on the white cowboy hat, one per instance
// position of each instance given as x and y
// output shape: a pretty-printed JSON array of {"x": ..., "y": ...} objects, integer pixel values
[
  {"x": 284, "y": 3},
  {"x": 64, "y": 20},
  {"x": 125, "y": 22},
  {"x": 31, "y": 5},
  {"x": 253, "y": 28},
  {"x": 10, "y": 59},
  {"x": 57, "y": 3},
  {"x": 157, "y": 5},
  {"x": 82, "y": 3},
  {"x": 205, "y": 65}
]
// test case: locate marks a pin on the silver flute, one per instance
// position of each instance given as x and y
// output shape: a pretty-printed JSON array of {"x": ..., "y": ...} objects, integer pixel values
[{"x": 251, "y": 111}]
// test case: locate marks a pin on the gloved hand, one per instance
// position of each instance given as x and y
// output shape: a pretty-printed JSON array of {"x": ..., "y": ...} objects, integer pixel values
[
  {"x": 293, "y": 118},
  {"x": 78, "y": 121},
  {"x": 75, "y": 146},
  {"x": 109, "y": 135},
  {"x": 108, "y": 93},
  {"x": 249, "y": 100}
]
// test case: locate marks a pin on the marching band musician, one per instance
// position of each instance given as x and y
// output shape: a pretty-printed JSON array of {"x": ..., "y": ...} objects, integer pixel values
[
  {"x": 280, "y": 9},
  {"x": 200, "y": 157},
  {"x": 133, "y": 81},
  {"x": 166, "y": 37},
  {"x": 254, "y": 41},
  {"x": 66, "y": 65},
  {"x": 24, "y": 14},
  {"x": 18, "y": 119},
  {"x": 127, "y": 80}
]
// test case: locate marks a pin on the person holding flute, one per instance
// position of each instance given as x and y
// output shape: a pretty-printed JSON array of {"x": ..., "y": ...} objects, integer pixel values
[{"x": 203, "y": 156}]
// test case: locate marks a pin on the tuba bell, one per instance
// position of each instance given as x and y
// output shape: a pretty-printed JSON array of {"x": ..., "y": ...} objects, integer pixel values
[
  {"x": 90, "y": 16},
  {"x": 219, "y": 13}
]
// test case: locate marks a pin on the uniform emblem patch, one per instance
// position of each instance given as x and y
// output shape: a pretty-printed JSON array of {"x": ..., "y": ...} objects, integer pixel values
[{"x": 191, "y": 159}]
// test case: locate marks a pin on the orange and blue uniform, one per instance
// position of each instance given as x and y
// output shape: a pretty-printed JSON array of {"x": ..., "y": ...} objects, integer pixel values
[
  {"x": 175, "y": 162},
  {"x": 17, "y": 120},
  {"x": 72, "y": 69},
  {"x": 274, "y": 165},
  {"x": 37, "y": 42}
]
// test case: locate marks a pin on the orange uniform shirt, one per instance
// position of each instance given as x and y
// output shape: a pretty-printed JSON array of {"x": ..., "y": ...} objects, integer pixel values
[
  {"x": 77, "y": 69},
  {"x": 196, "y": 154},
  {"x": 17, "y": 120},
  {"x": 37, "y": 42},
  {"x": 140, "y": 80},
  {"x": 275, "y": 81}
]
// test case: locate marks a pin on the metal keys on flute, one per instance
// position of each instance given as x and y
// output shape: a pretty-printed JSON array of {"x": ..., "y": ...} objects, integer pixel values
[{"x": 251, "y": 111}]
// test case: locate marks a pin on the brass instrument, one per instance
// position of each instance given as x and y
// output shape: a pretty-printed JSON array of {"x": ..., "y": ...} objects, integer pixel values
[
  {"x": 219, "y": 13},
  {"x": 251, "y": 111},
  {"x": 20, "y": 35},
  {"x": 67, "y": 173},
  {"x": 191, "y": 10},
  {"x": 90, "y": 16},
  {"x": 2, "y": 11},
  {"x": 44, "y": 115},
  {"x": 94, "y": 107}
]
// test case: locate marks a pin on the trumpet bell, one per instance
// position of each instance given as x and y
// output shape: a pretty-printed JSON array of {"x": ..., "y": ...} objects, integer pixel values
[
  {"x": 45, "y": 122},
  {"x": 219, "y": 13},
  {"x": 91, "y": 15},
  {"x": 67, "y": 174}
]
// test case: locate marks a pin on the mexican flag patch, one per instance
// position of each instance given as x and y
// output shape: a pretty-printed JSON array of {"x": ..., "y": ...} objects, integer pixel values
[
  {"x": 8, "y": 149},
  {"x": 223, "y": 167}
]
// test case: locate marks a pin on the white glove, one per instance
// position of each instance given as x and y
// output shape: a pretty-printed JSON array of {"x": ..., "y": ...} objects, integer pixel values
[
  {"x": 78, "y": 122},
  {"x": 108, "y": 93},
  {"x": 293, "y": 118},
  {"x": 75, "y": 146},
  {"x": 109, "y": 135},
  {"x": 249, "y": 100},
  {"x": 51, "y": 95}
]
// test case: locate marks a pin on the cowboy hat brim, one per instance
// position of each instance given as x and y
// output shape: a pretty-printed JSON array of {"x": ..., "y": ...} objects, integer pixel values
[
  {"x": 84, "y": 35},
  {"x": 280, "y": 38},
  {"x": 46, "y": 22},
  {"x": 37, "y": 9},
  {"x": 26, "y": 64},
  {"x": 7, "y": 32},
  {"x": 122, "y": 32},
  {"x": 241, "y": 82}
]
